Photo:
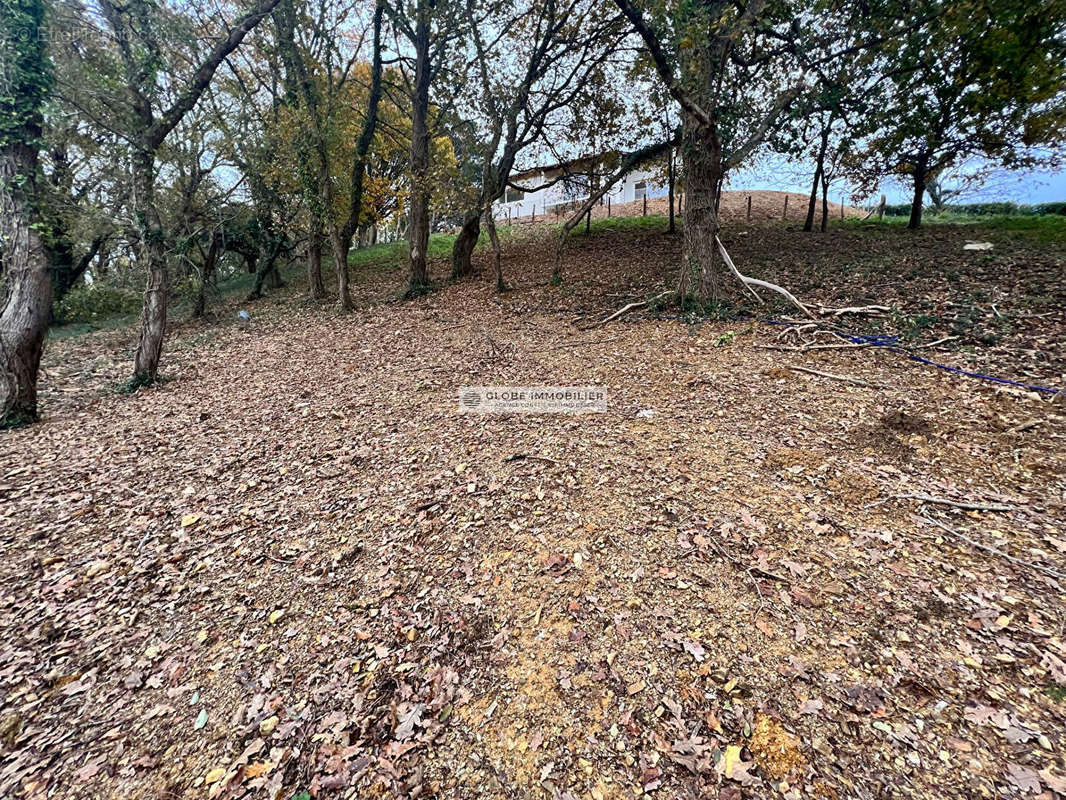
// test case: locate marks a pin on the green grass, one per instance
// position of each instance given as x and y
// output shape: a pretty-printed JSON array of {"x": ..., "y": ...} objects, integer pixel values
[
  {"x": 393, "y": 255},
  {"x": 653, "y": 223},
  {"x": 1046, "y": 228}
]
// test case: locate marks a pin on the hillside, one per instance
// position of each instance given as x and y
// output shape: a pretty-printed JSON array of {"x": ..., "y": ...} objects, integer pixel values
[
  {"x": 765, "y": 206},
  {"x": 303, "y": 570}
]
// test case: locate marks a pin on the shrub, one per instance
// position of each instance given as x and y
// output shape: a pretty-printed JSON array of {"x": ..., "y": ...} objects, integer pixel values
[{"x": 95, "y": 302}]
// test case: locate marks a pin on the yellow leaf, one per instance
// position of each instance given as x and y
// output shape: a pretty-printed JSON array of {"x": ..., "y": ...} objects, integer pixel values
[
  {"x": 215, "y": 775},
  {"x": 267, "y": 726},
  {"x": 257, "y": 769},
  {"x": 189, "y": 519},
  {"x": 276, "y": 615}
]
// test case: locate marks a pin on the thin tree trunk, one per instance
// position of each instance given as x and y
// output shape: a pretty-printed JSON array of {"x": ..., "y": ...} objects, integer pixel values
[
  {"x": 819, "y": 171},
  {"x": 825, "y": 202},
  {"x": 207, "y": 274},
  {"x": 812, "y": 202},
  {"x": 315, "y": 287},
  {"x": 671, "y": 176},
  {"x": 266, "y": 266},
  {"x": 418, "y": 215},
  {"x": 153, "y": 250},
  {"x": 340, "y": 247}
]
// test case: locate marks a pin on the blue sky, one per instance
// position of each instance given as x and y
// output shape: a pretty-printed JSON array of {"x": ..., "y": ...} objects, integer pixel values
[{"x": 1021, "y": 187}]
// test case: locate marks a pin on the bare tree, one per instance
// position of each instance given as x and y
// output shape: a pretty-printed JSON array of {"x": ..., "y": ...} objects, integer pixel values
[
  {"x": 134, "y": 28},
  {"x": 560, "y": 44}
]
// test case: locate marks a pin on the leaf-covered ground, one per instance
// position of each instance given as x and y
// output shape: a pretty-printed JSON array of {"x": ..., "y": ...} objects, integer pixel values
[{"x": 295, "y": 567}]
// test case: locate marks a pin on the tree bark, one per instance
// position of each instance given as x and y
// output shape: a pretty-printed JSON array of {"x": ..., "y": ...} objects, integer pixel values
[
  {"x": 671, "y": 176},
  {"x": 316, "y": 289},
  {"x": 825, "y": 202},
  {"x": 819, "y": 172},
  {"x": 153, "y": 249},
  {"x": 465, "y": 242},
  {"x": 207, "y": 274},
  {"x": 701, "y": 277},
  {"x": 418, "y": 214},
  {"x": 490, "y": 225},
  {"x": 340, "y": 246},
  {"x": 921, "y": 168},
  {"x": 27, "y": 289}
]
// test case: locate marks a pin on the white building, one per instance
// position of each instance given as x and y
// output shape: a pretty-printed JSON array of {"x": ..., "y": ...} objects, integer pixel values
[{"x": 571, "y": 188}]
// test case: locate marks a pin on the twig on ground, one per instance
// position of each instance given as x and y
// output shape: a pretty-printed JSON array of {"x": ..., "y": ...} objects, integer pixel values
[
  {"x": 805, "y": 348},
  {"x": 845, "y": 378},
  {"x": 529, "y": 457},
  {"x": 277, "y": 560},
  {"x": 578, "y": 344},
  {"x": 838, "y": 312},
  {"x": 625, "y": 310},
  {"x": 933, "y": 344},
  {"x": 943, "y": 501},
  {"x": 1024, "y": 426},
  {"x": 995, "y": 550}
]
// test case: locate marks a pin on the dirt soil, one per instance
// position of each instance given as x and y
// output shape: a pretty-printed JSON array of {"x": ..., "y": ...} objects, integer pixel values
[
  {"x": 765, "y": 206},
  {"x": 296, "y": 567}
]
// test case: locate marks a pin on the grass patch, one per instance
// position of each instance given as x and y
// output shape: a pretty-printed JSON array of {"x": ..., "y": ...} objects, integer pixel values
[
  {"x": 1049, "y": 228},
  {"x": 1056, "y": 693},
  {"x": 393, "y": 255},
  {"x": 653, "y": 223}
]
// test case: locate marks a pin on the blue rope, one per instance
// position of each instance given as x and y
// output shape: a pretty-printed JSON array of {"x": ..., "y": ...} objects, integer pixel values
[{"x": 891, "y": 342}]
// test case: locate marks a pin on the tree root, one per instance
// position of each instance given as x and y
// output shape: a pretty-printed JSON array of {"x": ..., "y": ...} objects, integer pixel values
[
  {"x": 749, "y": 282},
  {"x": 625, "y": 310}
]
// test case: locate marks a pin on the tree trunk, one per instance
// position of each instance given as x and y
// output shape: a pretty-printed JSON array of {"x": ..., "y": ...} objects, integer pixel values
[
  {"x": 701, "y": 276},
  {"x": 819, "y": 172},
  {"x": 920, "y": 177},
  {"x": 465, "y": 242},
  {"x": 490, "y": 225},
  {"x": 315, "y": 287},
  {"x": 267, "y": 265},
  {"x": 27, "y": 289},
  {"x": 671, "y": 176},
  {"x": 341, "y": 247},
  {"x": 418, "y": 216},
  {"x": 273, "y": 279},
  {"x": 207, "y": 274},
  {"x": 153, "y": 253},
  {"x": 825, "y": 203}
]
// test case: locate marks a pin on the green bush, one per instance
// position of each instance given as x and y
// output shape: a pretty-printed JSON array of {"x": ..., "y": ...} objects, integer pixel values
[{"x": 96, "y": 302}]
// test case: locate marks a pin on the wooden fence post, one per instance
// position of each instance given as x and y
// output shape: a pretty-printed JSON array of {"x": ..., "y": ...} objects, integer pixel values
[
  {"x": 842, "y": 206},
  {"x": 608, "y": 205},
  {"x": 645, "y": 212},
  {"x": 534, "y": 217},
  {"x": 749, "y": 208},
  {"x": 784, "y": 214}
]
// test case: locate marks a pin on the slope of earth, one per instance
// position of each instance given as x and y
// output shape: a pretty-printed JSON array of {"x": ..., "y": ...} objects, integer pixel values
[
  {"x": 765, "y": 205},
  {"x": 296, "y": 567}
]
